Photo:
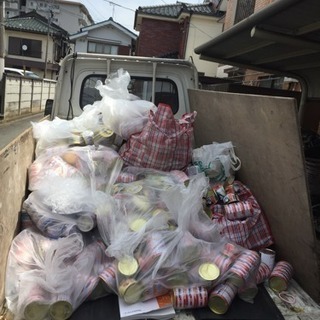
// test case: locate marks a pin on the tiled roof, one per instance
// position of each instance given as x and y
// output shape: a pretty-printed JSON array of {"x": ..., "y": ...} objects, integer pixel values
[
  {"x": 32, "y": 23},
  {"x": 174, "y": 10}
]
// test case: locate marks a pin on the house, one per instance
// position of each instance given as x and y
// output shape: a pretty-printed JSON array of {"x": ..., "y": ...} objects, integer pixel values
[
  {"x": 68, "y": 15},
  {"x": 105, "y": 37},
  {"x": 174, "y": 30},
  {"x": 32, "y": 43}
]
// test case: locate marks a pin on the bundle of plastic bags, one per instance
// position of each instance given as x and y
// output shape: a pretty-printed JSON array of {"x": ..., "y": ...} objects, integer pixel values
[{"x": 45, "y": 276}]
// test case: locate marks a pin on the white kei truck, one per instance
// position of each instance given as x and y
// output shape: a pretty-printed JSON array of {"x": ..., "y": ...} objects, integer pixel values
[{"x": 264, "y": 129}]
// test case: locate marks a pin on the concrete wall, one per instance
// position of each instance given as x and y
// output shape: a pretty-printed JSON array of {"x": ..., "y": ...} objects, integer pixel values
[{"x": 24, "y": 96}]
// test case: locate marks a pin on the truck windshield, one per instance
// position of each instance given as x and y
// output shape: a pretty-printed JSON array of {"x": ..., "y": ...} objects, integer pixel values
[{"x": 165, "y": 90}]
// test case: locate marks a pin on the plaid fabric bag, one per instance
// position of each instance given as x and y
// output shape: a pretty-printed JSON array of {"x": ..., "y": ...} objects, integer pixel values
[
  {"x": 243, "y": 222},
  {"x": 164, "y": 144}
]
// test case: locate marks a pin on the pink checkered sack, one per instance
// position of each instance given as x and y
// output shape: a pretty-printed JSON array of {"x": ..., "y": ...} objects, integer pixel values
[
  {"x": 243, "y": 221},
  {"x": 165, "y": 143}
]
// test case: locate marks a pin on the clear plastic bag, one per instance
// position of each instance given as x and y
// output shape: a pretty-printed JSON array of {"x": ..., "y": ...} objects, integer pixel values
[
  {"x": 123, "y": 113},
  {"x": 96, "y": 166},
  {"x": 217, "y": 160},
  {"x": 37, "y": 269}
]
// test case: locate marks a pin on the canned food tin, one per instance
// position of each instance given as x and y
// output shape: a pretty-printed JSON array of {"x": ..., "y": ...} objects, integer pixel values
[
  {"x": 137, "y": 224},
  {"x": 37, "y": 303},
  {"x": 189, "y": 297},
  {"x": 243, "y": 266},
  {"x": 108, "y": 275},
  {"x": 268, "y": 257},
  {"x": 280, "y": 276},
  {"x": 263, "y": 273},
  {"x": 128, "y": 266},
  {"x": 130, "y": 290},
  {"x": 86, "y": 221},
  {"x": 221, "y": 297},
  {"x": 61, "y": 309},
  {"x": 223, "y": 262},
  {"x": 153, "y": 247},
  {"x": 231, "y": 195},
  {"x": 104, "y": 137},
  {"x": 208, "y": 271},
  {"x": 204, "y": 274}
]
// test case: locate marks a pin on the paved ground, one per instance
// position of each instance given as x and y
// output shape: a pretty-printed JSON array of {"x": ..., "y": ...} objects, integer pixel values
[{"x": 11, "y": 129}]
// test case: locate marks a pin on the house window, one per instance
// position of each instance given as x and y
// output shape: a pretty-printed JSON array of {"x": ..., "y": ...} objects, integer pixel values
[
  {"x": 24, "y": 47},
  {"x": 97, "y": 47},
  {"x": 271, "y": 82},
  {"x": 244, "y": 9}
]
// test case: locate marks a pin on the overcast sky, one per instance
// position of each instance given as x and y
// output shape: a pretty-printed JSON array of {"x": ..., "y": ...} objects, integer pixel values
[{"x": 122, "y": 11}]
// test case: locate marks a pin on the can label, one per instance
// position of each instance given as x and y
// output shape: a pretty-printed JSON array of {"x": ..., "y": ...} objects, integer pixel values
[
  {"x": 263, "y": 273},
  {"x": 86, "y": 221},
  {"x": 108, "y": 275},
  {"x": 243, "y": 266},
  {"x": 190, "y": 297},
  {"x": 231, "y": 195}
]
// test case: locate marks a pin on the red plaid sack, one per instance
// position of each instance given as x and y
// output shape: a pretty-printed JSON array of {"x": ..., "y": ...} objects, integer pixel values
[
  {"x": 243, "y": 222},
  {"x": 164, "y": 144}
]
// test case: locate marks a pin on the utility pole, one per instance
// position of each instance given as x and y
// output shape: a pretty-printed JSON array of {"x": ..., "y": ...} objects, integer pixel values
[
  {"x": 47, "y": 45},
  {"x": 2, "y": 33}
]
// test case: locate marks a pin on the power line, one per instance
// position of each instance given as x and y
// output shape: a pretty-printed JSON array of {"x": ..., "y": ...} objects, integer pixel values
[{"x": 118, "y": 5}]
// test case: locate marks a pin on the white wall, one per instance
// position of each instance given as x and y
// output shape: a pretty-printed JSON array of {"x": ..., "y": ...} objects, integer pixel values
[
  {"x": 202, "y": 29},
  {"x": 106, "y": 34}
]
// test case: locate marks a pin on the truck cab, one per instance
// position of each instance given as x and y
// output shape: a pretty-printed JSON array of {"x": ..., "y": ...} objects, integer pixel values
[{"x": 152, "y": 79}]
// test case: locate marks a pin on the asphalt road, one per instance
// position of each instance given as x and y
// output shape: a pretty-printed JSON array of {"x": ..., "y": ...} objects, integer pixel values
[{"x": 12, "y": 129}]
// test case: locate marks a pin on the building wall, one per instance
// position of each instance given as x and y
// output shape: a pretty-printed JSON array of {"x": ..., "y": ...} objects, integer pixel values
[
  {"x": 107, "y": 34},
  {"x": 201, "y": 30},
  {"x": 67, "y": 15},
  {"x": 33, "y": 36},
  {"x": 70, "y": 17},
  {"x": 232, "y": 8},
  {"x": 260, "y": 4},
  {"x": 159, "y": 37}
]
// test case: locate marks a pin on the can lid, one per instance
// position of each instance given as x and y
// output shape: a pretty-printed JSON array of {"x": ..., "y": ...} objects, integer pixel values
[
  {"x": 105, "y": 133},
  {"x": 133, "y": 293},
  {"x": 277, "y": 284},
  {"x": 61, "y": 310},
  {"x": 133, "y": 187},
  {"x": 209, "y": 271},
  {"x": 128, "y": 266},
  {"x": 137, "y": 224},
  {"x": 85, "y": 222},
  {"x": 36, "y": 311},
  {"x": 218, "y": 305}
]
